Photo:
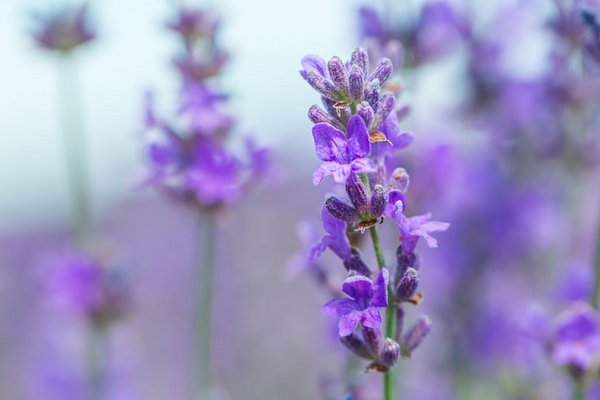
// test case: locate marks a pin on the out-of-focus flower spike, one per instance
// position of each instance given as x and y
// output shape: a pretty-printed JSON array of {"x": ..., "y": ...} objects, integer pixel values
[{"x": 415, "y": 335}]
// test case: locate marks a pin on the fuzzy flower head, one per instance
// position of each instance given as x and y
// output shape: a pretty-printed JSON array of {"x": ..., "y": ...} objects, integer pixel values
[
  {"x": 64, "y": 30},
  {"x": 366, "y": 297},
  {"x": 350, "y": 89},
  {"x": 82, "y": 283},
  {"x": 576, "y": 339}
]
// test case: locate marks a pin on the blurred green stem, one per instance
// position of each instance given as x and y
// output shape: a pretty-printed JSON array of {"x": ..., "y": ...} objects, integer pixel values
[
  {"x": 74, "y": 147},
  {"x": 204, "y": 304},
  {"x": 578, "y": 390}
]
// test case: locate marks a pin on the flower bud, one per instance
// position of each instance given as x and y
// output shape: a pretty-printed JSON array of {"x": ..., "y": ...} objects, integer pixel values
[
  {"x": 379, "y": 200},
  {"x": 322, "y": 85},
  {"x": 340, "y": 210},
  {"x": 400, "y": 180},
  {"x": 415, "y": 335},
  {"x": 404, "y": 261},
  {"x": 354, "y": 263},
  {"x": 356, "y": 82},
  {"x": 383, "y": 71},
  {"x": 357, "y": 345},
  {"x": 390, "y": 351},
  {"x": 365, "y": 111},
  {"x": 372, "y": 94},
  {"x": 360, "y": 58},
  {"x": 408, "y": 284},
  {"x": 372, "y": 339},
  {"x": 357, "y": 193},
  {"x": 339, "y": 75},
  {"x": 386, "y": 104},
  {"x": 318, "y": 115}
]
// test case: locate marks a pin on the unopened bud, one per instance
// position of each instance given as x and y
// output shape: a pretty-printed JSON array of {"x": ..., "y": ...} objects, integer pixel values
[
  {"x": 383, "y": 71},
  {"x": 357, "y": 345},
  {"x": 356, "y": 82},
  {"x": 339, "y": 75},
  {"x": 340, "y": 209},
  {"x": 390, "y": 351},
  {"x": 357, "y": 193},
  {"x": 379, "y": 200},
  {"x": 408, "y": 284},
  {"x": 354, "y": 263}
]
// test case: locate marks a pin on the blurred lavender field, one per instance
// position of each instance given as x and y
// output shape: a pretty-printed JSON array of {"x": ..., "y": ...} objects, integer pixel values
[{"x": 141, "y": 141}]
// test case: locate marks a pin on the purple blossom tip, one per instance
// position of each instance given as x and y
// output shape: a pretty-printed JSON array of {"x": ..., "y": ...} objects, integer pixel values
[
  {"x": 340, "y": 209},
  {"x": 366, "y": 297},
  {"x": 382, "y": 72},
  {"x": 408, "y": 284},
  {"x": 390, "y": 352},
  {"x": 379, "y": 201}
]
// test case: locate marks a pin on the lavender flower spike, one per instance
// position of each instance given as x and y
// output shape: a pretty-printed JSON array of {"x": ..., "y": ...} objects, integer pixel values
[
  {"x": 362, "y": 307},
  {"x": 342, "y": 155},
  {"x": 64, "y": 30}
]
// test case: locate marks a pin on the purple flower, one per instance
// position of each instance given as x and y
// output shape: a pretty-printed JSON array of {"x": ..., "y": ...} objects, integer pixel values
[
  {"x": 366, "y": 297},
  {"x": 81, "y": 283},
  {"x": 64, "y": 30},
  {"x": 335, "y": 239},
  {"x": 577, "y": 338},
  {"x": 214, "y": 176},
  {"x": 413, "y": 228},
  {"x": 342, "y": 155}
]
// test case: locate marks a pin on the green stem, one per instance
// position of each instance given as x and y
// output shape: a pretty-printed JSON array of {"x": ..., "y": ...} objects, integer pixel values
[
  {"x": 389, "y": 384},
  {"x": 74, "y": 147},
  {"x": 204, "y": 305},
  {"x": 578, "y": 390}
]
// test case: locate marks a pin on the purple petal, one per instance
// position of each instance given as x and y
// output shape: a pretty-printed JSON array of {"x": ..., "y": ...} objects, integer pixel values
[
  {"x": 348, "y": 323},
  {"x": 325, "y": 169},
  {"x": 316, "y": 250},
  {"x": 363, "y": 165},
  {"x": 337, "y": 308},
  {"x": 380, "y": 292},
  {"x": 358, "y": 138},
  {"x": 342, "y": 173},
  {"x": 358, "y": 287},
  {"x": 371, "y": 318},
  {"x": 330, "y": 143}
]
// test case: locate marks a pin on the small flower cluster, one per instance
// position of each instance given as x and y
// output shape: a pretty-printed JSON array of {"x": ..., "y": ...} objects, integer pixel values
[
  {"x": 354, "y": 134},
  {"x": 187, "y": 157},
  {"x": 85, "y": 284},
  {"x": 64, "y": 30}
]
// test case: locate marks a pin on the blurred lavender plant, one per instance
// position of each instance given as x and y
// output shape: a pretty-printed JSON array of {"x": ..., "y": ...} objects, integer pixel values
[
  {"x": 535, "y": 129},
  {"x": 77, "y": 279},
  {"x": 189, "y": 159},
  {"x": 354, "y": 135}
]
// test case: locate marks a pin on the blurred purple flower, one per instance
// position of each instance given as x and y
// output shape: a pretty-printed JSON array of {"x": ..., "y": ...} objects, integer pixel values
[
  {"x": 193, "y": 24},
  {"x": 366, "y": 297},
  {"x": 65, "y": 29},
  {"x": 576, "y": 342}
]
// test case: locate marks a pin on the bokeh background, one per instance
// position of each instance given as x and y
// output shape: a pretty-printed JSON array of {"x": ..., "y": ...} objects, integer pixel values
[{"x": 518, "y": 185}]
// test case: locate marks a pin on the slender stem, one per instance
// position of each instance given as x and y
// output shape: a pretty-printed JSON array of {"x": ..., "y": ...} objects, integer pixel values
[
  {"x": 578, "y": 390},
  {"x": 204, "y": 305},
  {"x": 596, "y": 292},
  {"x": 74, "y": 147},
  {"x": 377, "y": 247},
  {"x": 97, "y": 352},
  {"x": 389, "y": 389}
]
